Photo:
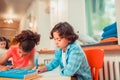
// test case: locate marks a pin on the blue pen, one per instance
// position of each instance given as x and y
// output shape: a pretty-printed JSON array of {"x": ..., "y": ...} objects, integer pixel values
[{"x": 36, "y": 63}]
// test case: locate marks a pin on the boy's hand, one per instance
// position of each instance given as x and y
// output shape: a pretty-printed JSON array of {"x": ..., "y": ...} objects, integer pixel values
[{"x": 41, "y": 69}]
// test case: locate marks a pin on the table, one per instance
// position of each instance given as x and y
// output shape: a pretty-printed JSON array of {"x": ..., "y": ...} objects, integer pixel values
[
  {"x": 54, "y": 75},
  {"x": 51, "y": 75}
]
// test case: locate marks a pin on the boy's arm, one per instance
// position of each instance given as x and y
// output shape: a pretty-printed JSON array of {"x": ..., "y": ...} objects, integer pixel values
[
  {"x": 55, "y": 62},
  {"x": 52, "y": 65}
]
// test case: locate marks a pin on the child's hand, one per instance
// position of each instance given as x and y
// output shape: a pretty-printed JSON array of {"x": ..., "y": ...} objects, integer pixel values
[
  {"x": 3, "y": 68},
  {"x": 42, "y": 69},
  {"x": 8, "y": 67}
]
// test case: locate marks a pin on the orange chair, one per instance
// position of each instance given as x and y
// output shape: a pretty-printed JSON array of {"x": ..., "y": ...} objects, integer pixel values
[{"x": 95, "y": 59}]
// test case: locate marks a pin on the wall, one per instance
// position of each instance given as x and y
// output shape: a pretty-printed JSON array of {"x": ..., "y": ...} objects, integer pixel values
[
  {"x": 77, "y": 15},
  {"x": 8, "y": 30},
  {"x": 40, "y": 20},
  {"x": 60, "y": 10}
]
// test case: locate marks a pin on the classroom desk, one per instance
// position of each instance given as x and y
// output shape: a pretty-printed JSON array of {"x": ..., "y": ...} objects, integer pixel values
[
  {"x": 51, "y": 75},
  {"x": 54, "y": 75}
]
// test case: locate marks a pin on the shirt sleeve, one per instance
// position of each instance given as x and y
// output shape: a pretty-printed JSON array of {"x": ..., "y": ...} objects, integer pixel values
[{"x": 55, "y": 62}]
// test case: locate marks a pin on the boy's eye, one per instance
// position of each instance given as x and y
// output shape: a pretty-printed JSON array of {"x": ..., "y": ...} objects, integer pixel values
[{"x": 59, "y": 39}]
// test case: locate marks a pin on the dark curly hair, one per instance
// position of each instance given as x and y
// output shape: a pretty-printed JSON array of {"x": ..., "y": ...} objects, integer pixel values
[
  {"x": 27, "y": 40},
  {"x": 65, "y": 30}
]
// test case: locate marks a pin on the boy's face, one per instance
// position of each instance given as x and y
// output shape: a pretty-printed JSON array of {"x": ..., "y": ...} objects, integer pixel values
[
  {"x": 2, "y": 44},
  {"x": 60, "y": 42}
]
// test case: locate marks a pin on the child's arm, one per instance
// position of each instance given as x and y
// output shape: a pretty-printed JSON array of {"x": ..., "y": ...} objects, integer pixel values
[
  {"x": 55, "y": 61},
  {"x": 4, "y": 59},
  {"x": 3, "y": 68},
  {"x": 30, "y": 65},
  {"x": 52, "y": 65}
]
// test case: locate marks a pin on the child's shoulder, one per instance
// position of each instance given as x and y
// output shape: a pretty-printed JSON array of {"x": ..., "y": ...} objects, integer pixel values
[
  {"x": 14, "y": 47},
  {"x": 75, "y": 44}
]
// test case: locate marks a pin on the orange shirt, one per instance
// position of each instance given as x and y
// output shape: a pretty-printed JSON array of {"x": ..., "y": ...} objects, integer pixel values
[{"x": 17, "y": 60}]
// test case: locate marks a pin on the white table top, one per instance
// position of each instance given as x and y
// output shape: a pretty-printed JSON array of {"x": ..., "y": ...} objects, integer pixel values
[{"x": 52, "y": 75}]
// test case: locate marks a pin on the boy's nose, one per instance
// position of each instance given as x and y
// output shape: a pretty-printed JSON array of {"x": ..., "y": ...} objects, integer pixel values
[{"x": 56, "y": 42}]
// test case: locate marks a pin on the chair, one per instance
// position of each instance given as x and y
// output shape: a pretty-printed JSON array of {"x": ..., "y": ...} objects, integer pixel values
[{"x": 95, "y": 59}]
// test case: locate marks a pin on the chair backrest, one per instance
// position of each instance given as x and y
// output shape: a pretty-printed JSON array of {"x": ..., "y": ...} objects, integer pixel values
[{"x": 95, "y": 59}]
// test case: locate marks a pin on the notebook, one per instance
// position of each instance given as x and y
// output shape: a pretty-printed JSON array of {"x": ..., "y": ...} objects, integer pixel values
[{"x": 16, "y": 73}]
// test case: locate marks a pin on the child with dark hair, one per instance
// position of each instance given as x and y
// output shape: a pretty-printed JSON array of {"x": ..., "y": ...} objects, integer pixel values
[
  {"x": 68, "y": 54},
  {"x": 22, "y": 54},
  {"x": 4, "y": 43},
  {"x": 3, "y": 46}
]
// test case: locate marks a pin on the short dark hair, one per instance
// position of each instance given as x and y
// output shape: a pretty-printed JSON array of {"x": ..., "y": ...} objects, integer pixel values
[{"x": 65, "y": 30}]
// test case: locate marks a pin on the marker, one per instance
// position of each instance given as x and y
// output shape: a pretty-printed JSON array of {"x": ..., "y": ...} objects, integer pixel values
[{"x": 36, "y": 63}]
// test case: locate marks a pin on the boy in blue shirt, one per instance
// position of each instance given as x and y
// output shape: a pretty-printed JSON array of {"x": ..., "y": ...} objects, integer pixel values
[{"x": 68, "y": 54}]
